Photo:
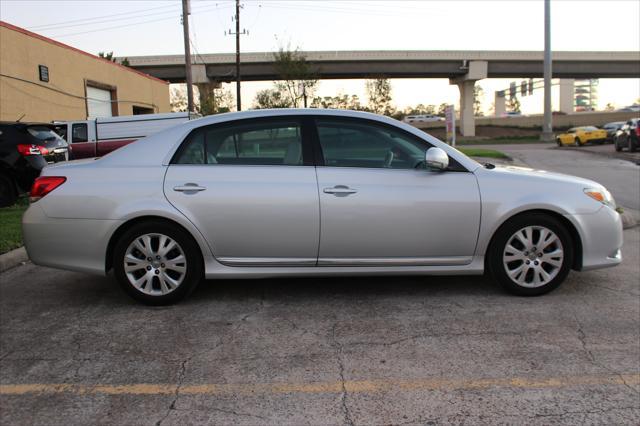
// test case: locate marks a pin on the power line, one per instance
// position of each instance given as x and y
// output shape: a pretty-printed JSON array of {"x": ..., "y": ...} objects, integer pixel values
[
  {"x": 77, "y": 96},
  {"x": 83, "y": 24},
  {"x": 203, "y": 10},
  {"x": 36, "y": 27}
]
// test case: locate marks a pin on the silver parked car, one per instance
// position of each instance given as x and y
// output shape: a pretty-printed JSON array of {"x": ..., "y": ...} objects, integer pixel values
[{"x": 312, "y": 192}]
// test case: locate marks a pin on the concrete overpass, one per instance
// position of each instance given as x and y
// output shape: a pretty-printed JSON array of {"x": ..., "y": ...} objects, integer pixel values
[{"x": 463, "y": 68}]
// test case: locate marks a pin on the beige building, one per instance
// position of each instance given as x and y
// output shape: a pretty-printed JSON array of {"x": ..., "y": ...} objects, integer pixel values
[{"x": 44, "y": 80}]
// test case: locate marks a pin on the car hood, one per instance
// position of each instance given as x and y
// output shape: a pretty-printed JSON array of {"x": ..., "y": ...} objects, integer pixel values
[{"x": 544, "y": 175}]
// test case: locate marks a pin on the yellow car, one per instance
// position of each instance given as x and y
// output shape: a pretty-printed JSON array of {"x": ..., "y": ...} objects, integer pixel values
[{"x": 579, "y": 136}]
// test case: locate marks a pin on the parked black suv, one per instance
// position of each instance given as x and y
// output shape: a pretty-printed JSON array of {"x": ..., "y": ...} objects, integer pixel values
[
  {"x": 25, "y": 148},
  {"x": 628, "y": 136}
]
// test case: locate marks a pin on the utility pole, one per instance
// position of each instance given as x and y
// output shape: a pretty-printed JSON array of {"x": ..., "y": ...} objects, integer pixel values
[
  {"x": 187, "y": 54},
  {"x": 238, "y": 34},
  {"x": 547, "y": 129}
]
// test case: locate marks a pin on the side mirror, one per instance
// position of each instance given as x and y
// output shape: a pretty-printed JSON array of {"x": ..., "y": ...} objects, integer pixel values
[{"x": 436, "y": 159}]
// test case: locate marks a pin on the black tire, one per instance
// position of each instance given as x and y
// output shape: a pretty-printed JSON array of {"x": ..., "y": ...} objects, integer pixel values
[
  {"x": 8, "y": 194},
  {"x": 616, "y": 145},
  {"x": 504, "y": 235},
  {"x": 194, "y": 268},
  {"x": 577, "y": 142},
  {"x": 633, "y": 145},
  {"x": 559, "y": 142}
]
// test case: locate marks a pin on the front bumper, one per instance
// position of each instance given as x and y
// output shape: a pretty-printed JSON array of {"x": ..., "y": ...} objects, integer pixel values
[
  {"x": 601, "y": 235},
  {"x": 73, "y": 244}
]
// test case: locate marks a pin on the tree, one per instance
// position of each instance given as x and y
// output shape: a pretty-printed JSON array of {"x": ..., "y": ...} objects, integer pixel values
[
  {"x": 478, "y": 94},
  {"x": 339, "y": 102},
  {"x": 379, "y": 94},
  {"x": 513, "y": 104},
  {"x": 442, "y": 109},
  {"x": 610, "y": 107},
  {"x": 297, "y": 79},
  {"x": 214, "y": 100},
  {"x": 178, "y": 99},
  {"x": 420, "y": 109},
  {"x": 272, "y": 98},
  {"x": 109, "y": 57}
]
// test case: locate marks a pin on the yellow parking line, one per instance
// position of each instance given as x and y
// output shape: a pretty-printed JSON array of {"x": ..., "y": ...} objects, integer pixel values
[{"x": 356, "y": 386}]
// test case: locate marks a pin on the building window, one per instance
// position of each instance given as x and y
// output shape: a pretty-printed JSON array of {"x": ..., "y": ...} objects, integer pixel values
[
  {"x": 43, "y": 71},
  {"x": 138, "y": 110}
]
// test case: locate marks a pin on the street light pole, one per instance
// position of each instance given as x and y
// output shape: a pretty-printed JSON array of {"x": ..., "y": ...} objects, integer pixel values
[
  {"x": 547, "y": 129},
  {"x": 187, "y": 54}
]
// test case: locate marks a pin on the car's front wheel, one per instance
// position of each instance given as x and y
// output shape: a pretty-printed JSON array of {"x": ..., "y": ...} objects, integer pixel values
[
  {"x": 156, "y": 263},
  {"x": 558, "y": 141},
  {"x": 531, "y": 254}
]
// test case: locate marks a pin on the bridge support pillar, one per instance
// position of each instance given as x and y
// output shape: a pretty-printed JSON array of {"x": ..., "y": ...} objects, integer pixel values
[
  {"x": 476, "y": 70},
  {"x": 205, "y": 91},
  {"x": 467, "y": 118},
  {"x": 500, "y": 104},
  {"x": 567, "y": 91}
]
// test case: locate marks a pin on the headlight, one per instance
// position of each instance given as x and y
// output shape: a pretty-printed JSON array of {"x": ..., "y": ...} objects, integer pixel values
[{"x": 601, "y": 195}]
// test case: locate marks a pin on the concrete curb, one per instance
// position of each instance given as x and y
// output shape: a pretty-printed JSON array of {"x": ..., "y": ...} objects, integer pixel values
[{"x": 13, "y": 258}]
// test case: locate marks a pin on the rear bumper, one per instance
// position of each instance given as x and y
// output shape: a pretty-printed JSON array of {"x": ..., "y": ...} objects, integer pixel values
[
  {"x": 73, "y": 244},
  {"x": 601, "y": 235}
]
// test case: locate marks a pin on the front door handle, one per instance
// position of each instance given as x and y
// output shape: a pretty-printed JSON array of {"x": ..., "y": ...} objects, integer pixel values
[
  {"x": 340, "y": 190},
  {"x": 189, "y": 188}
]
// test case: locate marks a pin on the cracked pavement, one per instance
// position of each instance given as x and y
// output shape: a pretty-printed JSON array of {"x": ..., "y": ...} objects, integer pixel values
[{"x": 75, "y": 350}]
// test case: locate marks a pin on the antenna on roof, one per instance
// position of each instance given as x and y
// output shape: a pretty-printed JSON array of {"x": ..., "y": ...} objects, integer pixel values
[{"x": 21, "y": 117}]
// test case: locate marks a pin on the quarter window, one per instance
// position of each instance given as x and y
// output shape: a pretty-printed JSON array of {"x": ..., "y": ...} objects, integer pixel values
[
  {"x": 353, "y": 144},
  {"x": 244, "y": 144}
]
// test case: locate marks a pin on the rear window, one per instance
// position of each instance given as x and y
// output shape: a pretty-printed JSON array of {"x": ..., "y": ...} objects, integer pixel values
[{"x": 42, "y": 133}]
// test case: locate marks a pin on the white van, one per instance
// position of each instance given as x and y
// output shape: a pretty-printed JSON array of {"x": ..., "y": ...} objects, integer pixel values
[{"x": 423, "y": 118}]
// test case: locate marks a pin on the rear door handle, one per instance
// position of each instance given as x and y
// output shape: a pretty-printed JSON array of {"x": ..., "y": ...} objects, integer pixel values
[
  {"x": 340, "y": 190},
  {"x": 189, "y": 187}
]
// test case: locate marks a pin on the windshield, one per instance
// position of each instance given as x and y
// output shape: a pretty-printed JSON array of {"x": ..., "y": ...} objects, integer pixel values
[{"x": 43, "y": 133}]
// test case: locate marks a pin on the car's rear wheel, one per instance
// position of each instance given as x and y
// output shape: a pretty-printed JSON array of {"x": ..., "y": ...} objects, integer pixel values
[
  {"x": 632, "y": 145},
  {"x": 577, "y": 142},
  {"x": 8, "y": 194},
  {"x": 157, "y": 264},
  {"x": 531, "y": 254}
]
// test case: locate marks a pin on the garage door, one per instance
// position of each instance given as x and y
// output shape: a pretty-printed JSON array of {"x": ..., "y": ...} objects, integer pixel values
[{"x": 98, "y": 102}]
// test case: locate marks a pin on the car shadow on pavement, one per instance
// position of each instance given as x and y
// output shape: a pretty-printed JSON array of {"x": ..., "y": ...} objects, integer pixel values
[{"x": 343, "y": 287}]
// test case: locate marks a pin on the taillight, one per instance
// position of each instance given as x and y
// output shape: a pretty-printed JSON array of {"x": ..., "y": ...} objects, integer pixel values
[
  {"x": 44, "y": 185},
  {"x": 26, "y": 149},
  {"x": 638, "y": 131}
]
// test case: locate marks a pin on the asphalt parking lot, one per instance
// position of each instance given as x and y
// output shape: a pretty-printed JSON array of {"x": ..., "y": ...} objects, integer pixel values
[{"x": 412, "y": 350}]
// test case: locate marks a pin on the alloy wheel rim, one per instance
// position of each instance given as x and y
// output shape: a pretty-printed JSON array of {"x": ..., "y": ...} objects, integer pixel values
[
  {"x": 155, "y": 264},
  {"x": 533, "y": 256}
]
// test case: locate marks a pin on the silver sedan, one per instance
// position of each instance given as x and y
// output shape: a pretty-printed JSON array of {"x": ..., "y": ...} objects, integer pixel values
[{"x": 312, "y": 192}]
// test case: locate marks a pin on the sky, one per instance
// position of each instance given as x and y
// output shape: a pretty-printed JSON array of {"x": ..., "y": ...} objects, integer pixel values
[{"x": 132, "y": 28}]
